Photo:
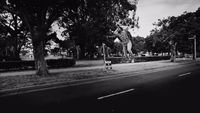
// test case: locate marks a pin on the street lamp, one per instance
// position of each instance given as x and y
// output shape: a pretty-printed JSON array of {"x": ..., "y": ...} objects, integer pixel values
[{"x": 195, "y": 47}]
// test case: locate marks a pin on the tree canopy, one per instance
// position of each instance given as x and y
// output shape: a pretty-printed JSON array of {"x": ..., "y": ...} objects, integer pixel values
[
  {"x": 13, "y": 34},
  {"x": 175, "y": 30},
  {"x": 94, "y": 20},
  {"x": 86, "y": 18}
]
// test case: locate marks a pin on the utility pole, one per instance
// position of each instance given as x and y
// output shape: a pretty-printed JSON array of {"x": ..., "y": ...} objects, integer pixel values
[{"x": 195, "y": 47}]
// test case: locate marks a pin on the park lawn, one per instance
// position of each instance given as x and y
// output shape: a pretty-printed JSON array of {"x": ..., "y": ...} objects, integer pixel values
[{"x": 24, "y": 81}]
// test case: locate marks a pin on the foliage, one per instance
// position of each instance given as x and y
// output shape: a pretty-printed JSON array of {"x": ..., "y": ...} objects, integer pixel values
[
  {"x": 86, "y": 19},
  {"x": 13, "y": 35},
  {"x": 21, "y": 65},
  {"x": 38, "y": 17},
  {"x": 117, "y": 49},
  {"x": 94, "y": 20},
  {"x": 138, "y": 44},
  {"x": 117, "y": 60},
  {"x": 174, "y": 30}
]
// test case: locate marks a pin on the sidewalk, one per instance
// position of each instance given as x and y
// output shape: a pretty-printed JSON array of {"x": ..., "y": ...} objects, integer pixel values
[{"x": 28, "y": 79}]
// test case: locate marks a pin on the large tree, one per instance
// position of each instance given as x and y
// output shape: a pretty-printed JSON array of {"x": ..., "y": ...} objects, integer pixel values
[
  {"x": 156, "y": 42},
  {"x": 94, "y": 20},
  {"x": 38, "y": 16},
  {"x": 176, "y": 31}
]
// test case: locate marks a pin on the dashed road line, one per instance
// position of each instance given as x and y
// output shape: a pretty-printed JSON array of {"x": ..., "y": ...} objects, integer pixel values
[
  {"x": 114, "y": 94},
  {"x": 184, "y": 74}
]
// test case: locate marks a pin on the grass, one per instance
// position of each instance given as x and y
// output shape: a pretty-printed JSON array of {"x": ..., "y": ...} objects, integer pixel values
[{"x": 21, "y": 81}]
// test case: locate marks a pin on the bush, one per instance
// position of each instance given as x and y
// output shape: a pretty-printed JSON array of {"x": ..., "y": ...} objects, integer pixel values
[
  {"x": 151, "y": 58},
  {"x": 7, "y": 58},
  {"x": 28, "y": 64},
  {"x": 117, "y": 60},
  {"x": 60, "y": 63},
  {"x": 52, "y": 63},
  {"x": 10, "y": 64}
]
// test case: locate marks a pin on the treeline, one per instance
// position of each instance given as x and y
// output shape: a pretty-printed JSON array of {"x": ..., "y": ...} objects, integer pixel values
[{"x": 172, "y": 34}]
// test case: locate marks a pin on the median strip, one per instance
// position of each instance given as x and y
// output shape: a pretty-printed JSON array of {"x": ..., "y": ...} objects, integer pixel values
[
  {"x": 114, "y": 94},
  {"x": 184, "y": 74}
]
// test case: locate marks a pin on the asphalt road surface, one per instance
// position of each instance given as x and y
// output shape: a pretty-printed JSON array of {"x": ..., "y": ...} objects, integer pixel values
[{"x": 173, "y": 90}]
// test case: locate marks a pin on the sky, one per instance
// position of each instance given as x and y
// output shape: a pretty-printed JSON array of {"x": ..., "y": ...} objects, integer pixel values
[{"x": 149, "y": 11}]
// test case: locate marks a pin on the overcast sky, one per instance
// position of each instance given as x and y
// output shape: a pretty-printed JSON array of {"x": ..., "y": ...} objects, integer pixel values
[{"x": 149, "y": 11}]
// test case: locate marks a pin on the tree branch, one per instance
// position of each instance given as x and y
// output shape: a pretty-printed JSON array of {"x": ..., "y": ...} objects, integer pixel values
[
  {"x": 7, "y": 28},
  {"x": 22, "y": 15},
  {"x": 26, "y": 20},
  {"x": 53, "y": 16},
  {"x": 9, "y": 10}
]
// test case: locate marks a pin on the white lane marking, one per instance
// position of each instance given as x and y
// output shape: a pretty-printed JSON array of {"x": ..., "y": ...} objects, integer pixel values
[
  {"x": 114, "y": 94},
  {"x": 184, "y": 74}
]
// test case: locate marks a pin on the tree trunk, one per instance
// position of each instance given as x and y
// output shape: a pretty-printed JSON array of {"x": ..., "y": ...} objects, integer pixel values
[
  {"x": 173, "y": 53},
  {"x": 38, "y": 48},
  {"x": 124, "y": 51},
  {"x": 17, "y": 54},
  {"x": 77, "y": 52},
  {"x": 125, "y": 58},
  {"x": 129, "y": 48}
]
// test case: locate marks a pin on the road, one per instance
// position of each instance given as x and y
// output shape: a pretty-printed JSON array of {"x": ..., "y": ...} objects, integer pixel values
[{"x": 173, "y": 90}]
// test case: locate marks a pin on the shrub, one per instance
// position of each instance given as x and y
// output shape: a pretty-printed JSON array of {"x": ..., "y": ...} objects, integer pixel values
[
  {"x": 116, "y": 60},
  {"x": 10, "y": 64},
  {"x": 60, "y": 62},
  {"x": 151, "y": 58},
  {"x": 31, "y": 64}
]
